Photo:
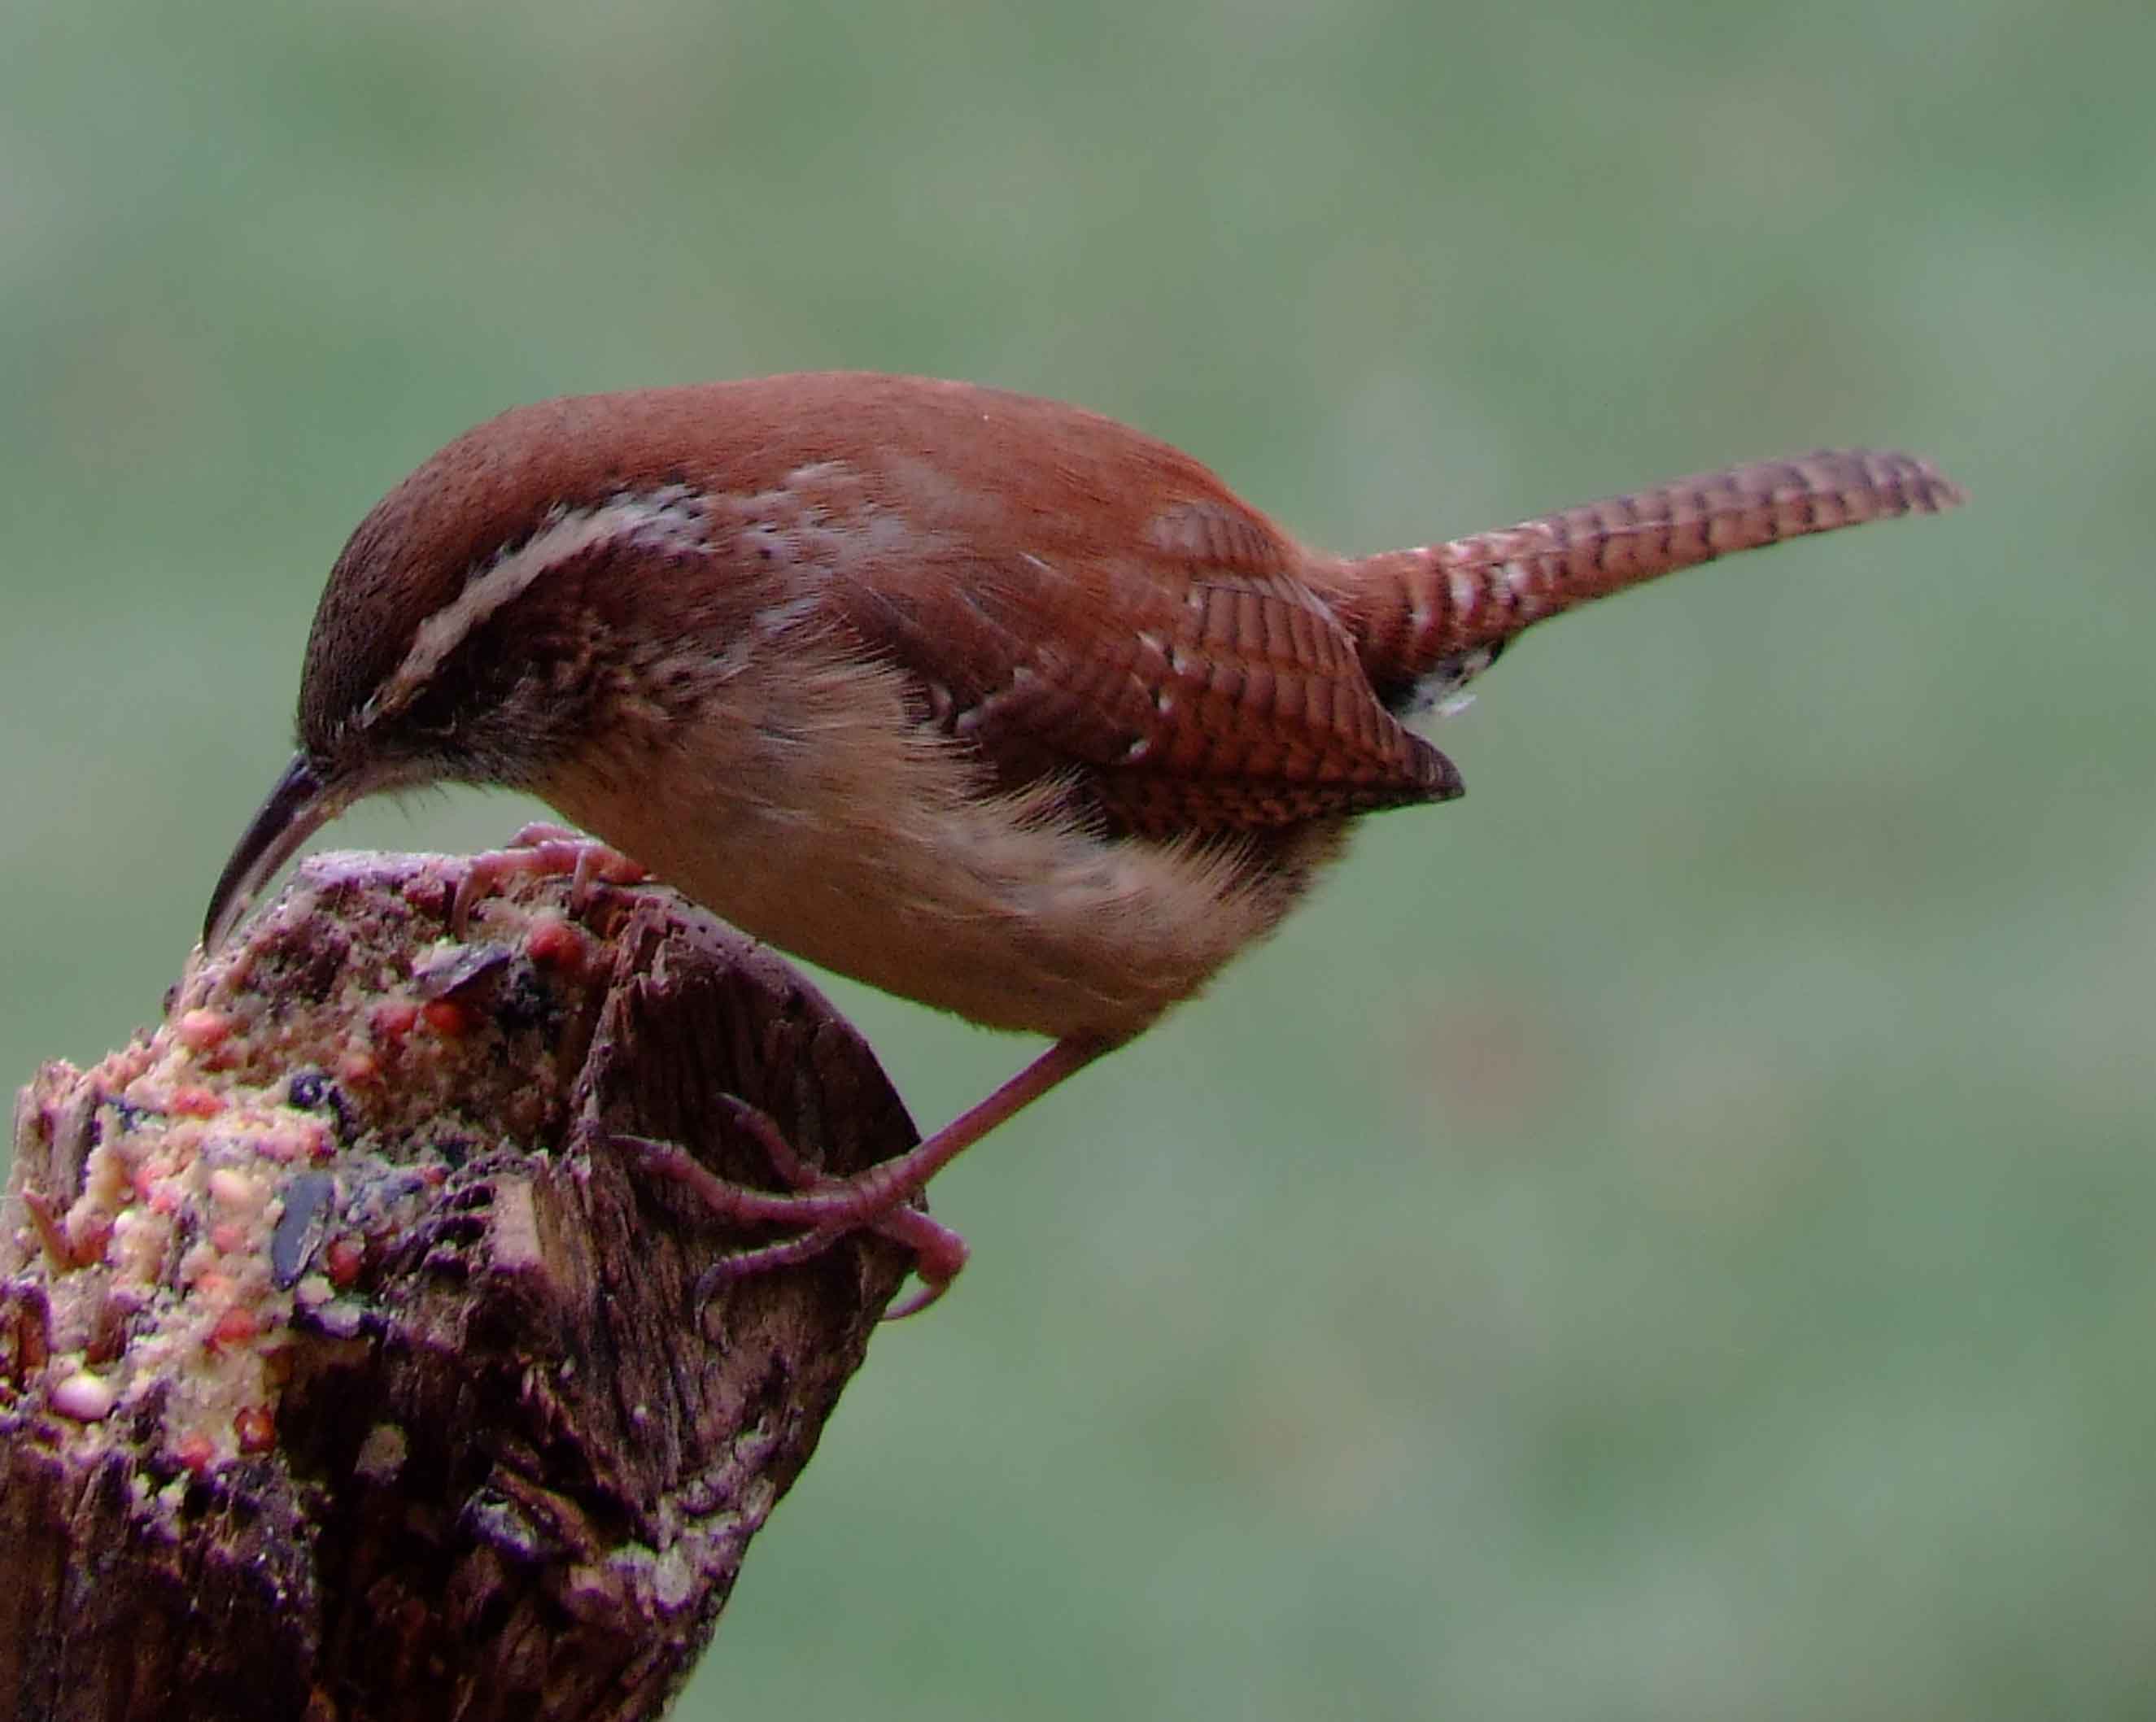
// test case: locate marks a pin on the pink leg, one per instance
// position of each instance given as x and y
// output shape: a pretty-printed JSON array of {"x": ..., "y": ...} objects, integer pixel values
[
  {"x": 827, "y": 1208},
  {"x": 938, "y": 1251},
  {"x": 938, "y": 1254},
  {"x": 549, "y": 851}
]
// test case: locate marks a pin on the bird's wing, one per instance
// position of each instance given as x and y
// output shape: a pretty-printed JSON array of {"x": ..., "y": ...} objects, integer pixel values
[{"x": 1183, "y": 679}]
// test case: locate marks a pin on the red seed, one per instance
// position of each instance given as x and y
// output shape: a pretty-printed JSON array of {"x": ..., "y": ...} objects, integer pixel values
[
  {"x": 199, "y": 1030},
  {"x": 449, "y": 1017},
  {"x": 193, "y": 1102},
  {"x": 228, "y": 1236},
  {"x": 235, "y": 1327},
  {"x": 196, "y": 1453},
  {"x": 256, "y": 1428},
  {"x": 343, "y": 1260},
  {"x": 392, "y": 1019},
  {"x": 553, "y": 943}
]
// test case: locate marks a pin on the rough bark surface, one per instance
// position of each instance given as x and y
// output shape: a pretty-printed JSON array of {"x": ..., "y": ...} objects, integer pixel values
[{"x": 347, "y": 1371}]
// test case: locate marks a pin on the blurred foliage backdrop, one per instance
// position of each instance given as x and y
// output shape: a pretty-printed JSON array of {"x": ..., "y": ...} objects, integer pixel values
[{"x": 1669, "y": 1237}]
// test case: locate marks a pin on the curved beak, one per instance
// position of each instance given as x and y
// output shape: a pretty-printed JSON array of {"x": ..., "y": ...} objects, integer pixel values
[{"x": 299, "y": 807}]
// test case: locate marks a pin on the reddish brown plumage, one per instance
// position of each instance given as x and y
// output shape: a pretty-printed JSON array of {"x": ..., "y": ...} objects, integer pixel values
[
  {"x": 982, "y": 699},
  {"x": 1412, "y": 609},
  {"x": 1065, "y": 595},
  {"x": 908, "y": 623}
]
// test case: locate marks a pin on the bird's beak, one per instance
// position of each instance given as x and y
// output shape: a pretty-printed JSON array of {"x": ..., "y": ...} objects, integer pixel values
[{"x": 299, "y": 807}]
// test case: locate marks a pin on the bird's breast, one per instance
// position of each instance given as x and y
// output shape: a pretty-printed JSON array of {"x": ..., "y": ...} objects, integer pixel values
[{"x": 804, "y": 804}]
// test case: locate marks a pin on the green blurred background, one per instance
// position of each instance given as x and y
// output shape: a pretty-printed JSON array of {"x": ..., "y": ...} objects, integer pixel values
[{"x": 1669, "y": 1237}]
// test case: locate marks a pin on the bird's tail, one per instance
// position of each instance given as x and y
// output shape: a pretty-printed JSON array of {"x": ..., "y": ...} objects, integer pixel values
[{"x": 1427, "y": 614}]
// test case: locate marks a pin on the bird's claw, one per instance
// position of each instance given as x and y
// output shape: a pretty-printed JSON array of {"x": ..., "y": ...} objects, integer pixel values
[
  {"x": 547, "y": 851},
  {"x": 825, "y": 1209}
]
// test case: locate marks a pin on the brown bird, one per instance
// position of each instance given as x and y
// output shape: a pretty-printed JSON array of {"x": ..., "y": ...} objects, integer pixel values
[{"x": 985, "y": 701}]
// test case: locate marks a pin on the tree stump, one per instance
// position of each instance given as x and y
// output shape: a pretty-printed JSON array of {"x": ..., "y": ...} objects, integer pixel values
[{"x": 347, "y": 1371}]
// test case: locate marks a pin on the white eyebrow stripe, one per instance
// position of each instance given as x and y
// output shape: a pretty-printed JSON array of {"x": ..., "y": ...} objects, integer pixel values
[{"x": 671, "y": 519}]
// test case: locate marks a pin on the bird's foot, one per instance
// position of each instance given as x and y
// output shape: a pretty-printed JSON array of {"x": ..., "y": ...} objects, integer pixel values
[
  {"x": 547, "y": 851},
  {"x": 825, "y": 1209},
  {"x": 821, "y": 1209}
]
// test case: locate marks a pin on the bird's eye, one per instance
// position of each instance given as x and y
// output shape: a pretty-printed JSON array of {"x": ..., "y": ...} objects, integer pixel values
[{"x": 434, "y": 713}]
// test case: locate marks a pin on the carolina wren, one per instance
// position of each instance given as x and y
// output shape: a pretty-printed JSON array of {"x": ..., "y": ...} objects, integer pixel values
[{"x": 983, "y": 699}]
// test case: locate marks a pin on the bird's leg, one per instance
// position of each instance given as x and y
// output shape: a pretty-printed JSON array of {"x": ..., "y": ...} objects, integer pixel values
[
  {"x": 547, "y": 850},
  {"x": 938, "y": 1251},
  {"x": 938, "y": 1254},
  {"x": 826, "y": 1208}
]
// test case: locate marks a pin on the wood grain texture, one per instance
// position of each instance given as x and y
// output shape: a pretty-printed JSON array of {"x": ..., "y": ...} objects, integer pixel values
[{"x": 501, "y": 1474}]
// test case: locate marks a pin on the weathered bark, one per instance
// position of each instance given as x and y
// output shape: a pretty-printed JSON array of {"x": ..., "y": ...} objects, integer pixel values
[{"x": 347, "y": 1370}]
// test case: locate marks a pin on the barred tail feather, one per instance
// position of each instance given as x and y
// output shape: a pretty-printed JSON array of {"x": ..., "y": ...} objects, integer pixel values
[{"x": 1417, "y": 612}]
